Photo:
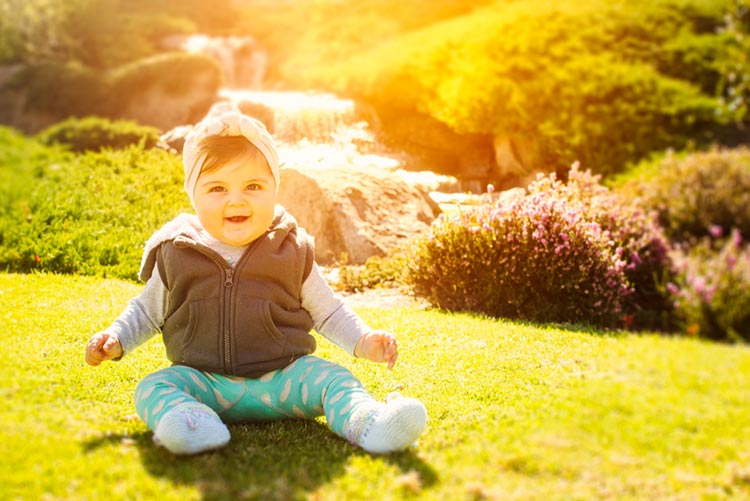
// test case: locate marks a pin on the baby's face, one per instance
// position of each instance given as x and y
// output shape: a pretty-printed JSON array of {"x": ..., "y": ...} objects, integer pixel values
[{"x": 235, "y": 203}]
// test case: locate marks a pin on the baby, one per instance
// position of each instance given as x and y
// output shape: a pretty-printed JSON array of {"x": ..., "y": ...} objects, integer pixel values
[{"x": 235, "y": 291}]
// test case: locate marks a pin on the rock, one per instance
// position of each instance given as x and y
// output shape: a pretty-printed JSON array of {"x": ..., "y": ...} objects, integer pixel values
[
  {"x": 434, "y": 146},
  {"x": 515, "y": 157},
  {"x": 355, "y": 213},
  {"x": 157, "y": 106},
  {"x": 260, "y": 112},
  {"x": 174, "y": 139}
]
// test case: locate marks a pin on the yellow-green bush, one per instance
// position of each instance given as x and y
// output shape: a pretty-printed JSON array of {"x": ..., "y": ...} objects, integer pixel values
[
  {"x": 175, "y": 73},
  {"x": 695, "y": 192},
  {"x": 61, "y": 89},
  {"x": 602, "y": 82},
  {"x": 96, "y": 133},
  {"x": 102, "y": 34},
  {"x": 86, "y": 214},
  {"x": 72, "y": 90}
]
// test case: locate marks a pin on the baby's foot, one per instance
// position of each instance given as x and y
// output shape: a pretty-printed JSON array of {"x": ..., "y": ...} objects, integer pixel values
[
  {"x": 191, "y": 428},
  {"x": 394, "y": 426}
]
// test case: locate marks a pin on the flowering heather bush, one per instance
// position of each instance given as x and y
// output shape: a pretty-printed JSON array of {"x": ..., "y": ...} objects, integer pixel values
[
  {"x": 713, "y": 295},
  {"x": 694, "y": 193},
  {"x": 632, "y": 232},
  {"x": 564, "y": 252}
]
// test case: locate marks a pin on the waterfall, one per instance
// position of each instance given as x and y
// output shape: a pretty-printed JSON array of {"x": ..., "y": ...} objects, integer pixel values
[{"x": 312, "y": 130}]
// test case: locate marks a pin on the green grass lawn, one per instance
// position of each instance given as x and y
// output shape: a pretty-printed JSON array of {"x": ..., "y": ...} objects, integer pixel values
[{"x": 516, "y": 412}]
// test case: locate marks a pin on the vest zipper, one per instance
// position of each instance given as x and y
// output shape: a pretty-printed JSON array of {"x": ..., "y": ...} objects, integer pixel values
[
  {"x": 228, "y": 287},
  {"x": 228, "y": 284}
]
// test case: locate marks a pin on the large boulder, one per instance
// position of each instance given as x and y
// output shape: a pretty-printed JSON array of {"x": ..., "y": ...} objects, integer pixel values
[{"x": 353, "y": 212}]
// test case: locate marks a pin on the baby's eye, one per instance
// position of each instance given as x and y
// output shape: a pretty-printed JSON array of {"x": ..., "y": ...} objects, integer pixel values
[
  {"x": 216, "y": 189},
  {"x": 254, "y": 187}
]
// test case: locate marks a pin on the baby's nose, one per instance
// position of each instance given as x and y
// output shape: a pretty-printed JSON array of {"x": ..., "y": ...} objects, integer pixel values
[{"x": 236, "y": 198}]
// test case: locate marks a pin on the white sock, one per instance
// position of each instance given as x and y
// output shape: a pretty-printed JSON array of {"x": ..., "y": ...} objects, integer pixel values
[
  {"x": 394, "y": 426},
  {"x": 191, "y": 428}
]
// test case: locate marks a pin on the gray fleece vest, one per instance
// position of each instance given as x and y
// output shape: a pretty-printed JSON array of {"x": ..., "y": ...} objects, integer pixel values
[{"x": 243, "y": 321}]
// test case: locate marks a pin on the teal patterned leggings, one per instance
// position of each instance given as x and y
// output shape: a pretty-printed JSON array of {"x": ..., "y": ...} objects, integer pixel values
[{"x": 307, "y": 388}]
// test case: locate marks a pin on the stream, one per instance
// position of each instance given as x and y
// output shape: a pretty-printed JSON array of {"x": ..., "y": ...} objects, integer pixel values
[{"x": 311, "y": 129}]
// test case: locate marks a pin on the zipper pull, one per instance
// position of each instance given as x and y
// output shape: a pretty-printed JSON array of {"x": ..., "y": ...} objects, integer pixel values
[{"x": 228, "y": 272}]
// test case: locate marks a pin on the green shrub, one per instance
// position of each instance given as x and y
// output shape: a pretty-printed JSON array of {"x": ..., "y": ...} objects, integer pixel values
[
  {"x": 96, "y": 133},
  {"x": 376, "y": 272},
  {"x": 175, "y": 73},
  {"x": 600, "y": 82},
  {"x": 634, "y": 234},
  {"x": 713, "y": 289},
  {"x": 693, "y": 193},
  {"x": 563, "y": 252},
  {"x": 88, "y": 214},
  {"x": 103, "y": 34},
  {"x": 734, "y": 61},
  {"x": 22, "y": 163},
  {"x": 71, "y": 90},
  {"x": 61, "y": 89}
]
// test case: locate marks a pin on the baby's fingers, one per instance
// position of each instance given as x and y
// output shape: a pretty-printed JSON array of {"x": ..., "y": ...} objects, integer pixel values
[
  {"x": 391, "y": 353},
  {"x": 93, "y": 355},
  {"x": 110, "y": 344}
]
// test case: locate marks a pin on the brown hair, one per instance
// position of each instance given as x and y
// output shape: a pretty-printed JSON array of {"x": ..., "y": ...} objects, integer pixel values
[{"x": 221, "y": 150}]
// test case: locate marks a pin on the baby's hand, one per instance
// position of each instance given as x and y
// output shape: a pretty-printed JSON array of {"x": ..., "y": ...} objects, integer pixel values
[
  {"x": 101, "y": 347},
  {"x": 378, "y": 346}
]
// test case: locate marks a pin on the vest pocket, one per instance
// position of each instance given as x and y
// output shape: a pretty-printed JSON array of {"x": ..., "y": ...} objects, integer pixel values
[
  {"x": 256, "y": 337},
  {"x": 201, "y": 346}
]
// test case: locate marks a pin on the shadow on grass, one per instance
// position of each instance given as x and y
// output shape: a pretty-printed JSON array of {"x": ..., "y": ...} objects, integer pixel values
[{"x": 275, "y": 460}]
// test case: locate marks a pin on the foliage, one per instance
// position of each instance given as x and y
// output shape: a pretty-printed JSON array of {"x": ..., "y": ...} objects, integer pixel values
[
  {"x": 554, "y": 75},
  {"x": 96, "y": 133},
  {"x": 72, "y": 90},
  {"x": 175, "y": 73},
  {"x": 61, "y": 89},
  {"x": 734, "y": 66},
  {"x": 376, "y": 272},
  {"x": 601, "y": 82},
  {"x": 557, "y": 413},
  {"x": 635, "y": 231},
  {"x": 304, "y": 35},
  {"x": 22, "y": 161},
  {"x": 102, "y": 34},
  {"x": 88, "y": 214},
  {"x": 97, "y": 30},
  {"x": 563, "y": 253},
  {"x": 692, "y": 193},
  {"x": 713, "y": 291},
  {"x": 32, "y": 30}
]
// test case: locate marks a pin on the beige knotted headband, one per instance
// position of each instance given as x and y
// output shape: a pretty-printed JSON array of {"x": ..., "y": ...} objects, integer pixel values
[{"x": 225, "y": 119}]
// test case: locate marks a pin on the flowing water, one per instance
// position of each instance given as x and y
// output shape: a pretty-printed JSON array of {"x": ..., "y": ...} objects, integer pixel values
[{"x": 311, "y": 129}]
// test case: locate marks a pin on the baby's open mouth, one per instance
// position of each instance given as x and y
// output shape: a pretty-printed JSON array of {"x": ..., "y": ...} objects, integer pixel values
[{"x": 237, "y": 219}]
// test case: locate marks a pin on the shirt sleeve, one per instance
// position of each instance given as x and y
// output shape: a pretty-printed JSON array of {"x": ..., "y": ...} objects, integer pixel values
[
  {"x": 143, "y": 317},
  {"x": 332, "y": 318}
]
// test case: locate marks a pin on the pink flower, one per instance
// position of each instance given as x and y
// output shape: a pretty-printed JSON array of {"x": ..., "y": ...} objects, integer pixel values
[
  {"x": 715, "y": 231},
  {"x": 636, "y": 258},
  {"x": 736, "y": 238}
]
